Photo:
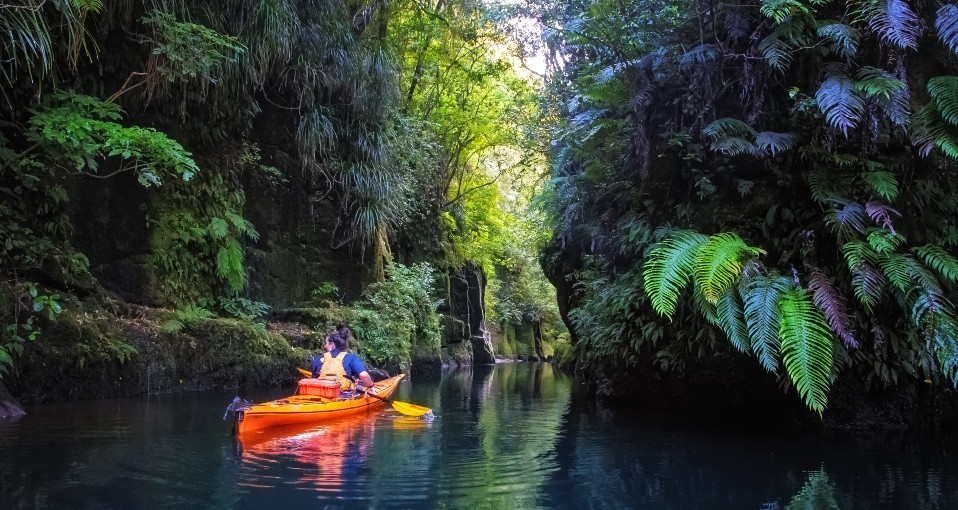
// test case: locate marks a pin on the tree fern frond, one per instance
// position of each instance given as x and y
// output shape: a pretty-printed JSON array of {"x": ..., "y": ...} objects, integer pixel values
[
  {"x": 867, "y": 283},
  {"x": 847, "y": 218},
  {"x": 229, "y": 265},
  {"x": 942, "y": 331},
  {"x": 776, "y": 50},
  {"x": 841, "y": 105},
  {"x": 728, "y": 127},
  {"x": 779, "y": 10},
  {"x": 881, "y": 213},
  {"x": 946, "y": 24},
  {"x": 935, "y": 257},
  {"x": 844, "y": 38},
  {"x": 719, "y": 262},
  {"x": 884, "y": 241},
  {"x": 772, "y": 142},
  {"x": 734, "y": 146},
  {"x": 698, "y": 55},
  {"x": 894, "y": 21},
  {"x": 884, "y": 183},
  {"x": 218, "y": 228},
  {"x": 669, "y": 268},
  {"x": 929, "y": 131},
  {"x": 944, "y": 90},
  {"x": 874, "y": 82},
  {"x": 760, "y": 300},
  {"x": 730, "y": 316},
  {"x": 857, "y": 252},
  {"x": 897, "y": 268},
  {"x": 827, "y": 298},
  {"x": 806, "y": 346}
]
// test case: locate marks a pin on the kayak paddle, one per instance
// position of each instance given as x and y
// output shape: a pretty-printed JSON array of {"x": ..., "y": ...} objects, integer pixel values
[{"x": 403, "y": 407}]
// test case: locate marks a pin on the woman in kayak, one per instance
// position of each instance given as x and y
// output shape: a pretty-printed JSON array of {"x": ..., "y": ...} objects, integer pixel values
[{"x": 340, "y": 365}]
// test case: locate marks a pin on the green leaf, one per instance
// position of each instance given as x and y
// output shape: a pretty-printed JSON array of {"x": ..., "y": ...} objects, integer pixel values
[
  {"x": 668, "y": 269},
  {"x": 719, "y": 262},
  {"x": 944, "y": 263},
  {"x": 730, "y": 316},
  {"x": 806, "y": 343},
  {"x": 760, "y": 299}
]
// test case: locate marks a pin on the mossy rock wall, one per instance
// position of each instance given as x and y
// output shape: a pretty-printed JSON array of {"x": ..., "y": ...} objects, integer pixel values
[{"x": 90, "y": 353}]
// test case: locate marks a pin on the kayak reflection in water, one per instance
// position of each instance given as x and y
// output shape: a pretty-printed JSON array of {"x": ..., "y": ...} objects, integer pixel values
[{"x": 317, "y": 456}]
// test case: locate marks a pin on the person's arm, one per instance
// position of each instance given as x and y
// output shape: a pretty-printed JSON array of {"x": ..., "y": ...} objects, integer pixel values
[
  {"x": 357, "y": 367},
  {"x": 317, "y": 366}
]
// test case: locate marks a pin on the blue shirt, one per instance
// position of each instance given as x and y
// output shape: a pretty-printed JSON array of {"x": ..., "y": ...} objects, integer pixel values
[{"x": 351, "y": 364}]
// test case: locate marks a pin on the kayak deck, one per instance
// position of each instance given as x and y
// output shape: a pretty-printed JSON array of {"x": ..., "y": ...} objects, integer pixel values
[{"x": 298, "y": 409}]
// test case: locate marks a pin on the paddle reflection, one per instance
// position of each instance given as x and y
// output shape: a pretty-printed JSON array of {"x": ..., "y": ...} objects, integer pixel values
[{"x": 323, "y": 457}]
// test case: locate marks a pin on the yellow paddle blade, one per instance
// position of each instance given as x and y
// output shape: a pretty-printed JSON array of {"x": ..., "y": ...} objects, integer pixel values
[
  {"x": 410, "y": 409},
  {"x": 304, "y": 372}
]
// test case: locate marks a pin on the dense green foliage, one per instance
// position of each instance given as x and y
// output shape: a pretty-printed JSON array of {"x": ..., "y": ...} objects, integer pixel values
[
  {"x": 824, "y": 132},
  {"x": 409, "y": 119}
]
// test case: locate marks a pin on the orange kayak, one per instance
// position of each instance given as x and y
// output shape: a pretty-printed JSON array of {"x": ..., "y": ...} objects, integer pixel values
[{"x": 299, "y": 409}]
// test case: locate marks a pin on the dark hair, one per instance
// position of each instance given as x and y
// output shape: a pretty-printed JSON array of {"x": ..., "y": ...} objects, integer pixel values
[
  {"x": 343, "y": 329},
  {"x": 338, "y": 340}
]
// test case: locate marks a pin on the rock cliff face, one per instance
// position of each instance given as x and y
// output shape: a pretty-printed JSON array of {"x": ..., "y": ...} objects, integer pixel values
[{"x": 464, "y": 335}]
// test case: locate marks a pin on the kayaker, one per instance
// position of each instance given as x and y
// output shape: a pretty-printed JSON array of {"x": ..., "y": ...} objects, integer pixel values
[{"x": 336, "y": 363}]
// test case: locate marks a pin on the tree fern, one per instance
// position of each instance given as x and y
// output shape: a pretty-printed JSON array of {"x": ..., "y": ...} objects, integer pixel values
[
  {"x": 773, "y": 143},
  {"x": 944, "y": 263},
  {"x": 883, "y": 183},
  {"x": 930, "y": 130},
  {"x": 229, "y": 265},
  {"x": 779, "y": 10},
  {"x": 730, "y": 316},
  {"x": 827, "y": 298},
  {"x": 669, "y": 268},
  {"x": 806, "y": 344},
  {"x": 847, "y": 218},
  {"x": 873, "y": 82},
  {"x": 838, "y": 100},
  {"x": 728, "y": 127},
  {"x": 894, "y": 21},
  {"x": 897, "y": 268},
  {"x": 946, "y": 24},
  {"x": 718, "y": 263},
  {"x": 883, "y": 241},
  {"x": 867, "y": 284},
  {"x": 844, "y": 39},
  {"x": 760, "y": 300},
  {"x": 944, "y": 91},
  {"x": 734, "y": 146}
]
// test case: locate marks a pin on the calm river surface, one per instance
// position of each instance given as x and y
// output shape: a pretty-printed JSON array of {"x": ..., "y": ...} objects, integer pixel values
[{"x": 510, "y": 436}]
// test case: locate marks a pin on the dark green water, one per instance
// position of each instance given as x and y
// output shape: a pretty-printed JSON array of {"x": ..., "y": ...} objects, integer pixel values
[{"x": 513, "y": 436}]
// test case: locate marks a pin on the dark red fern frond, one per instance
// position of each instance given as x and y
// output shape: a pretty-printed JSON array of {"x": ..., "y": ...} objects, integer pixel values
[
  {"x": 881, "y": 214},
  {"x": 827, "y": 298}
]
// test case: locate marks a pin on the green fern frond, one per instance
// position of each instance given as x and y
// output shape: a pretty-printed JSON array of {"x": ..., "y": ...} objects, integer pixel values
[
  {"x": 728, "y": 127},
  {"x": 844, "y": 38},
  {"x": 946, "y": 24},
  {"x": 719, "y": 262},
  {"x": 884, "y": 241},
  {"x": 839, "y": 102},
  {"x": 761, "y": 310},
  {"x": 806, "y": 343},
  {"x": 884, "y": 183},
  {"x": 218, "y": 228},
  {"x": 779, "y": 10},
  {"x": 857, "y": 253},
  {"x": 230, "y": 267},
  {"x": 730, "y": 316},
  {"x": 897, "y": 268},
  {"x": 944, "y": 90},
  {"x": 669, "y": 268},
  {"x": 879, "y": 83},
  {"x": 944, "y": 263},
  {"x": 734, "y": 146},
  {"x": 894, "y": 22},
  {"x": 867, "y": 284},
  {"x": 243, "y": 226},
  {"x": 772, "y": 142}
]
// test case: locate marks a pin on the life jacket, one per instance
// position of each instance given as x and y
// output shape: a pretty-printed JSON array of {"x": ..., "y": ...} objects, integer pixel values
[{"x": 333, "y": 369}]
